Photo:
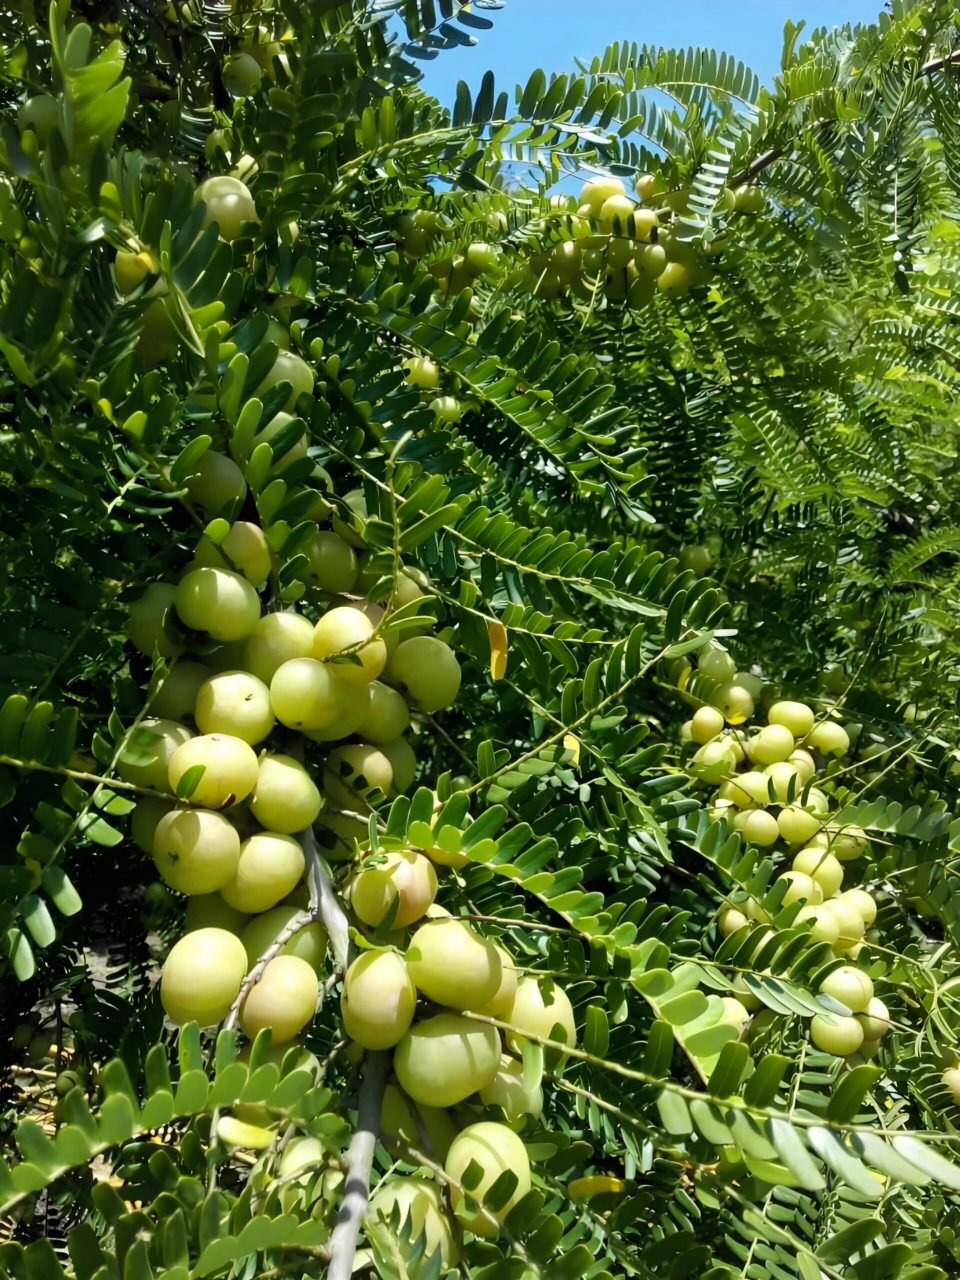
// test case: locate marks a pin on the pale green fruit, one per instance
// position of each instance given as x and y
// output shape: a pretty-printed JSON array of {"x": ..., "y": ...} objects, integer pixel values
[
  {"x": 862, "y": 902},
  {"x": 305, "y": 694},
  {"x": 597, "y": 191},
  {"x": 771, "y": 745},
  {"x": 754, "y": 685},
  {"x": 353, "y": 771},
  {"x": 448, "y": 409},
  {"x": 145, "y": 620},
  {"x": 148, "y": 751},
  {"x": 400, "y": 879},
  {"x": 829, "y": 738},
  {"x": 235, "y": 703},
  {"x": 428, "y": 670},
  {"x": 822, "y": 866},
  {"x": 731, "y": 739},
  {"x": 270, "y": 865},
  {"x": 507, "y": 1091},
  {"x": 686, "y": 731},
  {"x": 706, "y": 724},
  {"x": 443, "y": 1059},
  {"x": 746, "y": 997},
  {"x": 796, "y": 717},
  {"x": 453, "y": 965},
  {"x": 755, "y": 911},
  {"x": 801, "y": 888},
  {"x": 824, "y": 927},
  {"x": 41, "y": 113},
  {"x": 144, "y": 820},
  {"x": 746, "y": 789},
  {"x": 849, "y": 922},
  {"x": 201, "y": 976},
  {"x": 284, "y": 1000},
  {"x": 419, "y": 1208},
  {"x": 422, "y": 372},
  {"x": 748, "y": 199},
  {"x": 848, "y": 844},
  {"x": 229, "y": 769},
  {"x": 495, "y": 1149},
  {"x": 285, "y": 798},
  {"x": 403, "y": 762},
  {"x": 195, "y": 850},
  {"x": 344, "y": 638},
  {"x": 306, "y": 1154},
  {"x": 716, "y": 664},
  {"x": 354, "y": 703},
  {"x": 386, "y": 715},
  {"x": 269, "y": 433},
  {"x": 615, "y": 213},
  {"x": 851, "y": 986},
  {"x": 541, "y": 1009},
  {"x": 241, "y": 75},
  {"x": 331, "y": 563},
  {"x": 835, "y": 1034},
  {"x": 735, "y": 702},
  {"x": 209, "y": 911},
  {"x": 951, "y": 1078},
  {"x": 709, "y": 757},
  {"x": 356, "y": 502},
  {"x": 378, "y": 999},
  {"x": 734, "y": 1012},
  {"x": 500, "y": 1003},
  {"x": 177, "y": 696},
  {"x": 217, "y": 601},
  {"x": 675, "y": 280},
  {"x": 293, "y": 369},
  {"x": 430, "y": 1130},
  {"x": 341, "y": 836},
  {"x": 787, "y": 782},
  {"x": 797, "y": 825},
  {"x": 229, "y": 204},
  {"x": 245, "y": 549},
  {"x": 309, "y": 942},
  {"x": 804, "y": 764},
  {"x": 757, "y": 826},
  {"x": 875, "y": 1019},
  {"x": 217, "y": 483},
  {"x": 730, "y": 920},
  {"x": 277, "y": 638}
]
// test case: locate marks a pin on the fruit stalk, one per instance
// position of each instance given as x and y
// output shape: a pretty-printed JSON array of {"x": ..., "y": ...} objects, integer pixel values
[{"x": 357, "y": 1165}]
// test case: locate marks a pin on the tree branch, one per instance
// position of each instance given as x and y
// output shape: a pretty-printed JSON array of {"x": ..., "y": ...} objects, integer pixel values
[
  {"x": 323, "y": 899},
  {"x": 359, "y": 1162}
]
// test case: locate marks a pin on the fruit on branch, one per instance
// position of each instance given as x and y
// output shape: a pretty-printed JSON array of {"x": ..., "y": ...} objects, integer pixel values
[
  {"x": 353, "y": 704},
  {"x": 176, "y": 697},
  {"x": 275, "y": 639},
  {"x": 244, "y": 549},
  {"x": 229, "y": 769},
  {"x": 353, "y": 772},
  {"x": 202, "y": 976},
  {"x": 340, "y": 836},
  {"x": 344, "y": 638},
  {"x": 217, "y": 601},
  {"x": 159, "y": 340},
  {"x": 875, "y": 1020},
  {"x": 862, "y": 902},
  {"x": 797, "y": 717},
  {"x": 228, "y": 205},
  {"x": 429, "y": 1131},
  {"x": 822, "y": 866},
  {"x": 217, "y": 483},
  {"x": 284, "y": 1000},
  {"x": 309, "y": 942},
  {"x": 836, "y": 1034},
  {"x": 403, "y": 763},
  {"x": 706, "y": 724},
  {"x": 305, "y": 694},
  {"x": 443, "y": 1059},
  {"x": 403, "y": 882},
  {"x": 772, "y": 745},
  {"x": 850, "y": 986},
  {"x": 829, "y": 738},
  {"x": 427, "y": 669},
  {"x": 385, "y": 716},
  {"x": 269, "y": 433},
  {"x": 355, "y": 501},
  {"x": 447, "y": 409},
  {"x": 331, "y": 563},
  {"x": 951, "y": 1078},
  {"x": 235, "y": 703},
  {"x": 146, "y": 617},
  {"x": 422, "y": 372},
  {"x": 41, "y": 113},
  {"x": 196, "y": 850},
  {"x": 801, "y": 888},
  {"x": 131, "y": 268},
  {"x": 148, "y": 751},
  {"x": 508, "y": 1091},
  {"x": 849, "y": 922},
  {"x": 209, "y": 911},
  {"x": 293, "y": 369},
  {"x": 269, "y": 867},
  {"x": 378, "y": 999},
  {"x": 541, "y": 1009},
  {"x": 454, "y": 965},
  {"x": 241, "y": 75},
  {"x": 757, "y": 826},
  {"x": 414, "y": 1204},
  {"x": 496, "y": 1149},
  {"x": 748, "y": 199},
  {"x": 595, "y": 193},
  {"x": 285, "y": 797},
  {"x": 500, "y": 1003}
]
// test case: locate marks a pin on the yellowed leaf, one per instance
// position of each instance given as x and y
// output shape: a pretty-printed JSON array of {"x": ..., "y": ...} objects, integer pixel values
[{"x": 497, "y": 634}]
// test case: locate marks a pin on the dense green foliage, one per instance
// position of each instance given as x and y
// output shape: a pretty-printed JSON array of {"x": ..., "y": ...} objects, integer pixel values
[{"x": 611, "y": 482}]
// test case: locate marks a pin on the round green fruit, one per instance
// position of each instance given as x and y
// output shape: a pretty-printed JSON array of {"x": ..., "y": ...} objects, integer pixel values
[
  {"x": 496, "y": 1149},
  {"x": 875, "y": 1019},
  {"x": 822, "y": 866},
  {"x": 399, "y": 884},
  {"x": 209, "y": 911},
  {"x": 415, "y": 1205},
  {"x": 428, "y": 670},
  {"x": 285, "y": 797},
  {"x": 508, "y": 1092},
  {"x": 293, "y": 369},
  {"x": 195, "y": 850},
  {"x": 284, "y": 1000},
  {"x": 454, "y": 965},
  {"x": 305, "y": 694},
  {"x": 40, "y": 113},
  {"x": 148, "y": 751},
  {"x": 378, "y": 999},
  {"x": 229, "y": 769},
  {"x": 241, "y": 75},
  {"x": 850, "y": 986},
  {"x": 202, "y": 976},
  {"x": 443, "y": 1059},
  {"x": 309, "y": 942},
  {"x": 275, "y": 639},
  {"x": 423, "y": 373},
  {"x": 177, "y": 695},
  {"x": 235, "y": 703},
  {"x": 145, "y": 819},
  {"x": 146, "y": 618},
  {"x": 386, "y": 714},
  {"x": 331, "y": 563},
  {"x": 217, "y": 484},
  {"x": 829, "y": 738},
  {"x": 796, "y": 717},
  {"x": 707, "y": 723},
  {"x": 353, "y": 771},
  {"x": 229, "y": 205},
  {"x": 219, "y": 602},
  {"x": 541, "y": 1009},
  {"x": 403, "y": 763},
  {"x": 835, "y": 1034},
  {"x": 269, "y": 867},
  {"x": 344, "y": 638}
]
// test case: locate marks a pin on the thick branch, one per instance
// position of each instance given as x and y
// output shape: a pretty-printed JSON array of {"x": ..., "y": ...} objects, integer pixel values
[
  {"x": 359, "y": 1162},
  {"x": 323, "y": 899}
]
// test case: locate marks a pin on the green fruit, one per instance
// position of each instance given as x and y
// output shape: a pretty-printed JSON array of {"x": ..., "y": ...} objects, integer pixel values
[
  {"x": 146, "y": 617},
  {"x": 41, "y": 114},
  {"x": 422, "y": 372},
  {"x": 835, "y": 1034},
  {"x": 797, "y": 717},
  {"x": 293, "y": 369},
  {"x": 771, "y": 745},
  {"x": 285, "y": 798},
  {"x": 331, "y": 563},
  {"x": 862, "y": 902},
  {"x": 443, "y": 1059},
  {"x": 344, "y": 638},
  {"x": 430, "y": 1130},
  {"x": 496, "y": 1149},
  {"x": 284, "y": 1000},
  {"x": 144, "y": 821},
  {"x": 221, "y": 603},
  {"x": 228, "y": 204},
  {"x": 454, "y": 965},
  {"x": 404, "y": 1211},
  {"x": 829, "y": 738},
  {"x": 148, "y": 751},
  {"x": 177, "y": 695},
  {"x": 396, "y": 885},
  {"x": 195, "y": 850},
  {"x": 270, "y": 865},
  {"x": 209, "y": 911},
  {"x": 217, "y": 483},
  {"x": 202, "y": 975},
  {"x": 385, "y": 716},
  {"x": 850, "y": 986},
  {"x": 508, "y": 1091},
  {"x": 823, "y": 867},
  {"x": 543, "y": 1010},
  {"x": 428, "y": 670},
  {"x": 378, "y": 999},
  {"x": 353, "y": 772},
  {"x": 275, "y": 639},
  {"x": 245, "y": 549},
  {"x": 305, "y": 694},
  {"x": 309, "y": 942},
  {"x": 748, "y": 199},
  {"x": 235, "y": 703},
  {"x": 706, "y": 724},
  {"x": 875, "y": 1020},
  {"x": 229, "y": 769},
  {"x": 403, "y": 763}
]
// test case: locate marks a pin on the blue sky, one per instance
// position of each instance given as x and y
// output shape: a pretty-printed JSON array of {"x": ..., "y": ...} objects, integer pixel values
[{"x": 550, "y": 33}]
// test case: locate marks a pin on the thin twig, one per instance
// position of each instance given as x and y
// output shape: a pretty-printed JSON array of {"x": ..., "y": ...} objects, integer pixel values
[{"x": 358, "y": 1163}]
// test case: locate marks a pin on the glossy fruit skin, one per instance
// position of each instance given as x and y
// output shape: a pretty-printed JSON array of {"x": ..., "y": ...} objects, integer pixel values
[
  {"x": 235, "y": 703},
  {"x": 443, "y": 1059},
  {"x": 269, "y": 866},
  {"x": 177, "y": 695},
  {"x": 951, "y": 1078},
  {"x": 291, "y": 368},
  {"x": 507, "y": 1091},
  {"x": 453, "y": 965},
  {"x": 229, "y": 204},
  {"x": 403, "y": 763},
  {"x": 285, "y": 798},
  {"x": 730, "y": 920},
  {"x": 244, "y": 550},
  {"x": 797, "y": 824},
  {"x": 285, "y": 999},
  {"x": 500, "y": 1003},
  {"x": 849, "y": 922},
  {"x": 230, "y": 769},
  {"x": 748, "y": 199},
  {"x": 850, "y": 986},
  {"x": 309, "y": 943},
  {"x": 217, "y": 483},
  {"x": 378, "y": 1000},
  {"x": 771, "y": 745},
  {"x": 801, "y": 888},
  {"x": 598, "y": 190},
  {"x": 795, "y": 716},
  {"x": 405, "y": 878},
  {"x": 195, "y": 850},
  {"x": 274, "y": 640},
  {"x": 496, "y": 1149},
  {"x": 356, "y": 502},
  {"x": 757, "y": 827},
  {"x": 428, "y": 670},
  {"x": 423, "y": 373},
  {"x": 417, "y": 1204},
  {"x": 863, "y": 902},
  {"x": 267, "y": 435},
  {"x": 201, "y": 976},
  {"x": 219, "y": 602},
  {"x": 353, "y": 701},
  {"x": 735, "y": 702},
  {"x": 829, "y": 738},
  {"x": 386, "y": 716},
  {"x": 305, "y": 694},
  {"x": 149, "y": 759},
  {"x": 349, "y": 629},
  {"x": 875, "y": 1019},
  {"x": 331, "y": 563},
  {"x": 824, "y": 927},
  {"x": 341, "y": 836},
  {"x": 353, "y": 772},
  {"x": 747, "y": 789},
  {"x": 209, "y": 911},
  {"x": 131, "y": 269},
  {"x": 145, "y": 620},
  {"x": 707, "y": 723},
  {"x": 541, "y": 1008},
  {"x": 836, "y": 1034},
  {"x": 822, "y": 866}
]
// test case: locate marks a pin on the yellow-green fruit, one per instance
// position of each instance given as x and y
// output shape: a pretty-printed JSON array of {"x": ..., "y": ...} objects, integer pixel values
[
  {"x": 508, "y": 1091},
  {"x": 430, "y": 1130},
  {"x": 454, "y": 965},
  {"x": 285, "y": 797},
  {"x": 951, "y": 1078},
  {"x": 216, "y": 483},
  {"x": 771, "y": 745},
  {"x": 541, "y": 1009},
  {"x": 730, "y": 920},
  {"x": 229, "y": 204},
  {"x": 447, "y": 408},
  {"x": 245, "y": 549},
  {"x": 145, "y": 819},
  {"x": 239, "y": 1133},
  {"x": 847, "y": 844},
  {"x": 284, "y": 1000},
  {"x": 787, "y": 782},
  {"x": 850, "y": 986},
  {"x": 824, "y": 927},
  {"x": 354, "y": 703},
  {"x": 849, "y": 922},
  {"x": 747, "y": 789},
  {"x": 270, "y": 865},
  {"x": 177, "y": 696},
  {"x": 217, "y": 601},
  {"x": 302, "y": 1154},
  {"x": 267, "y": 435},
  {"x": 148, "y": 751},
  {"x": 835, "y": 1034},
  {"x": 41, "y": 113},
  {"x": 500, "y": 1003},
  {"x": 241, "y": 75},
  {"x": 803, "y": 762},
  {"x": 711, "y": 757},
  {"x": 716, "y": 664},
  {"x": 277, "y": 638},
  {"x": 862, "y": 902},
  {"x": 309, "y": 942},
  {"x": 386, "y": 715},
  {"x": 875, "y": 1019},
  {"x": 131, "y": 269},
  {"x": 159, "y": 341},
  {"x": 345, "y": 639},
  {"x": 209, "y": 911},
  {"x": 796, "y": 717},
  {"x": 496, "y": 1149},
  {"x": 422, "y": 372},
  {"x": 822, "y": 866},
  {"x": 415, "y": 1206},
  {"x": 735, "y": 702},
  {"x": 797, "y": 824},
  {"x": 331, "y": 563},
  {"x": 829, "y": 738},
  {"x": 706, "y": 724},
  {"x": 428, "y": 670},
  {"x": 202, "y": 976},
  {"x": 195, "y": 850},
  {"x": 356, "y": 502},
  {"x": 403, "y": 762},
  {"x": 145, "y": 619},
  {"x": 340, "y": 836},
  {"x": 293, "y": 369},
  {"x": 443, "y": 1059},
  {"x": 757, "y": 826},
  {"x": 675, "y": 280},
  {"x": 229, "y": 769},
  {"x": 403, "y": 882},
  {"x": 597, "y": 191},
  {"x": 305, "y": 694},
  {"x": 354, "y": 771},
  {"x": 801, "y": 888},
  {"x": 235, "y": 703},
  {"x": 378, "y": 999}
]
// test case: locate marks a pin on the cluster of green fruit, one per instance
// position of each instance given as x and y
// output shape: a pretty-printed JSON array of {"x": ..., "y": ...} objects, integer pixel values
[{"x": 765, "y": 790}]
